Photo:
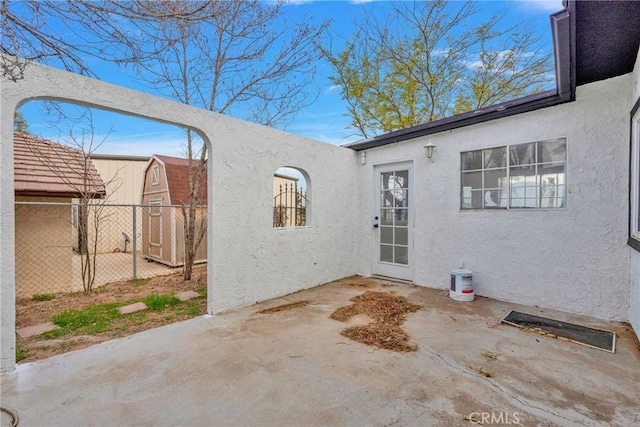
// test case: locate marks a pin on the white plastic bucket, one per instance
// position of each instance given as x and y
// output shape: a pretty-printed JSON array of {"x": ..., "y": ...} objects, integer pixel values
[{"x": 461, "y": 285}]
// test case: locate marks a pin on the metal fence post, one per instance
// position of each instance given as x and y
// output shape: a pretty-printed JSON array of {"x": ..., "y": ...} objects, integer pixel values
[{"x": 135, "y": 246}]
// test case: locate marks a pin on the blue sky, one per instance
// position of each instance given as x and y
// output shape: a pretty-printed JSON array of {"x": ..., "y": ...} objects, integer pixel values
[{"x": 325, "y": 120}]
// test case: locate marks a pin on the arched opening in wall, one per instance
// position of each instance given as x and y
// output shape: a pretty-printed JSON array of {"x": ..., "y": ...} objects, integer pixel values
[
  {"x": 104, "y": 206},
  {"x": 291, "y": 198}
]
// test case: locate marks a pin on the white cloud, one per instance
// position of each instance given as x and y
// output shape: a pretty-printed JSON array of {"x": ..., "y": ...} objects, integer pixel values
[
  {"x": 296, "y": 2},
  {"x": 145, "y": 145},
  {"x": 542, "y": 5},
  {"x": 331, "y": 89},
  {"x": 327, "y": 127}
]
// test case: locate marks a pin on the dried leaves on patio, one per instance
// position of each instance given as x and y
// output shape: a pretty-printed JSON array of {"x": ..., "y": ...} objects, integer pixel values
[
  {"x": 388, "y": 313},
  {"x": 283, "y": 307}
]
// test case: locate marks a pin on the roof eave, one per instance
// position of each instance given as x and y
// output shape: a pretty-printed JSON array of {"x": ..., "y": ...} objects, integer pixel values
[
  {"x": 72, "y": 195},
  {"x": 498, "y": 111}
]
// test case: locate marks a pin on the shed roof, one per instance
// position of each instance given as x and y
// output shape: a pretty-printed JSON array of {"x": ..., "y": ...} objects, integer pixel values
[
  {"x": 46, "y": 168},
  {"x": 177, "y": 175}
]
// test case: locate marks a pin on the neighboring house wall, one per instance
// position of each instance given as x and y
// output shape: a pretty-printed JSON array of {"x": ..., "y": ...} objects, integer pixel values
[
  {"x": 634, "y": 305},
  {"x": 574, "y": 259},
  {"x": 123, "y": 177},
  {"x": 279, "y": 183},
  {"x": 43, "y": 247}
]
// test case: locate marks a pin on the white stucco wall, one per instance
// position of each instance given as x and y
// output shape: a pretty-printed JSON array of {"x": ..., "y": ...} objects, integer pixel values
[
  {"x": 634, "y": 302},
  {"x": 575, "y": 259},
  {"x": 248, "y": 259}
]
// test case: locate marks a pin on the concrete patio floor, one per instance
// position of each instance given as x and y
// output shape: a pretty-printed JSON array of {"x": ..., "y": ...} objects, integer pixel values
[{"x": 294, "y": 368}]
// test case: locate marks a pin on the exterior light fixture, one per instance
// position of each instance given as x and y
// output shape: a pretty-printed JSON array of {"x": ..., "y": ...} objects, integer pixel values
[
  {"x": 363, "y": 158},
  {"x": 428, "y": 149}
]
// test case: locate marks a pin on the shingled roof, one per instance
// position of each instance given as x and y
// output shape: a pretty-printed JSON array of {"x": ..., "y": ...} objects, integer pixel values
[
  {"x": 177, "y": 175},
  {"x": 46, "y": 168}
]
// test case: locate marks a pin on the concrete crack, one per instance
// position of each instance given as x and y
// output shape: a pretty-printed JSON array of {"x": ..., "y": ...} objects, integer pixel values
[{"x": 516, "y": 400}]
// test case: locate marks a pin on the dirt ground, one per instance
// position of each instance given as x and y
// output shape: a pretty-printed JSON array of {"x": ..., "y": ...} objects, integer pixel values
[{"x": 30, "y": 312}]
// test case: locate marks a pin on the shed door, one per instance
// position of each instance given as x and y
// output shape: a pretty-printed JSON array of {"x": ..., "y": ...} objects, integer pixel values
[
  {"x": 393, "y": 221},
  {"x": 155, "y": 228}
]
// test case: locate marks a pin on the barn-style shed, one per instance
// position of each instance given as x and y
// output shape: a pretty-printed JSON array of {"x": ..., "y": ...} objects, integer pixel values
[{"x": 165, "y": 191}]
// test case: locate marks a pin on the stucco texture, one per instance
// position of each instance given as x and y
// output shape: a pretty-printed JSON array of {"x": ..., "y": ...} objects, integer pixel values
[
  {"x": 574, "y": 259},
  {"x": 248, "y": 259}
]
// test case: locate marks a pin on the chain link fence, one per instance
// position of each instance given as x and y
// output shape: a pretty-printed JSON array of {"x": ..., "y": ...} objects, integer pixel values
[{"x": 123, "y": 242}]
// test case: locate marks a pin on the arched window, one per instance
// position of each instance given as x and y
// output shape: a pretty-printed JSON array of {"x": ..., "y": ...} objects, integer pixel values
[{"x": 290, "y": 198}]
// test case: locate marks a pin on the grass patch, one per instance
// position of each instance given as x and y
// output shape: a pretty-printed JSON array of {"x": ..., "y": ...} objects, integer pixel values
[
  {"x": 43, "y": 297},
  {"x": 139, "y": 282},
  {"x": 21, "y": 354},
  {"x": 189, "y": 309},
  {"x": 86, "y": 321},
  {"x": 160, "y": 302}
]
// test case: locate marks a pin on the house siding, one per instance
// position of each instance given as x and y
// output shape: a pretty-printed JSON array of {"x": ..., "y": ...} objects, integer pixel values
[
  {"x": 572, "y": 259},
  {"x": 43, "y": 247},
  {"x": 634, "y": 301},
  {"x": 123, "y": 179}
]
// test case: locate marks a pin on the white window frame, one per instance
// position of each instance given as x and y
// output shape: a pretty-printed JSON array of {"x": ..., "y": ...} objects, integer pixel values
[
  {"x": 634, "y": 187},
  {"x": 505, "y": 201}
]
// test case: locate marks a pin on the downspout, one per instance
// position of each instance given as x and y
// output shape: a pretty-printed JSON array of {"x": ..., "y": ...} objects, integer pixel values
[{"x": 563, "y": 34}]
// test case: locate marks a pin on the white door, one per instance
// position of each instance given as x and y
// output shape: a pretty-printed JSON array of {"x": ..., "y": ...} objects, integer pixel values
[{"x": 393, "y": 221}]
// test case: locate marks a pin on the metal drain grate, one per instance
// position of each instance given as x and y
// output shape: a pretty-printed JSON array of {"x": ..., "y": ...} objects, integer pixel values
[{"x": 591, "y": 337}]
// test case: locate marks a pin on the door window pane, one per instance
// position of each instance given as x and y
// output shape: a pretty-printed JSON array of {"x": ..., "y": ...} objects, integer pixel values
[
  {"x": 386, "y": 199},
  {"x": 401, "y": 255},
  {"x": 401, "y": 236},
  {"x": 385, "y": 179},
  {"x": 401, "y": 198},
  {"x": 386, "y": 216},
  {"x": 402, "y": 179},
  {"x": 401, "y": 217},
  {"x": 386, "y": 235},
  {"x": 386, "y": 253}
]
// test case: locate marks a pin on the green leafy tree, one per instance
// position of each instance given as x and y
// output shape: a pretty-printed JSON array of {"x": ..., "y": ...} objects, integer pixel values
[
  {"x": 425, "y": 61},
  {"x": 20, "y": 124}
]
